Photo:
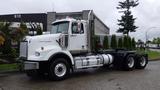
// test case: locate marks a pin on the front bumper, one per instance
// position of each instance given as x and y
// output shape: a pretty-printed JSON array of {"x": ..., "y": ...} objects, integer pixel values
[{"x": 31, "y": 65}]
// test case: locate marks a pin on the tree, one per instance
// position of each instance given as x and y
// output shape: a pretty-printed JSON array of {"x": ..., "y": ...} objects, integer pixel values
[
  {"x": 125, "y": 42},
  {"x": 129, "y": 43},
  {"x": 140, "y": 44},
  {"x": 105, "y": 43},
  {"x": 96, "y": 45},
  {"x": 39, "y": 30},
  {"x": 120, "y": 43},
  {"x": 19, "y": 33},
  {"x": 156, "y": 41},
  {"x": 23, "y": 30},
  {"x": 133, "y": 44},
  {"x": 113, "y": 42},
  {"x": 5, "y": 30},
  {"x": 2, "y": 39},
  {"x": 127, "y": 21}
]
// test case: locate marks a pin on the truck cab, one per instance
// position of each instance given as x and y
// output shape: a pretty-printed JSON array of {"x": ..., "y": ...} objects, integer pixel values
[{"x": 74, "y": 34}]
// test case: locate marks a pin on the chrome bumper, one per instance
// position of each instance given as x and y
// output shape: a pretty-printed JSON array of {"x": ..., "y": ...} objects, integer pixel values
[{"x": 31, "y": 65}]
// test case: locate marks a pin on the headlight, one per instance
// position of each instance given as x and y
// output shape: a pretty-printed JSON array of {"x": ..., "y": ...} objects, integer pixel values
[{"x": 37, "y": 54}]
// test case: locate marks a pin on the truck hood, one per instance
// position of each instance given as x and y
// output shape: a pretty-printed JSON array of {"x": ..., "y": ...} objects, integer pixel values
[
  {"x": 47, "y": 42},
  {"x": 43, "y": 38}
]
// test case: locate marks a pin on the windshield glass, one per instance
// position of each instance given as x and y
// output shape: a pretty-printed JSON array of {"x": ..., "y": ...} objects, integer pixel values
[{"x": 60, "y": 27}]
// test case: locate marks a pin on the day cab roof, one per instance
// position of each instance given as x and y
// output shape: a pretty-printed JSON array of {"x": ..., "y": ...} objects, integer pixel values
[{"x": 67, "y": 19}]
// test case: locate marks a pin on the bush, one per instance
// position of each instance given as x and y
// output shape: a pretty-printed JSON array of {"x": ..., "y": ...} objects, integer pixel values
[
  {"x": 105, "y": 43},
  {"x": 13, "y": 53},
  {"x": 96, "y": 45},
  {"x": 120, "y": 43},
  {"x": 133, "y": 44},
  {"x": 113, "y": 42},
  {"x": 129, "y": 43},
  {"x": 6, "y": 48},
  {"x": 39, "y": 30},
  {"x": 125, "y": 42},
  {"x": 2, "y": 40}
]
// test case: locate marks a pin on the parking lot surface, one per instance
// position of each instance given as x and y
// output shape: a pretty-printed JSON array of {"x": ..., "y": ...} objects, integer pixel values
[{"x": 91, "y": 79}]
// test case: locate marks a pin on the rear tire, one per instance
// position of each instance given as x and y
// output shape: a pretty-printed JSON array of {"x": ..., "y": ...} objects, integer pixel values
[
  {"x": 59, "y": 69},
  {"x": 129, "y": 63},
  {"x": 142, "y": 62}
]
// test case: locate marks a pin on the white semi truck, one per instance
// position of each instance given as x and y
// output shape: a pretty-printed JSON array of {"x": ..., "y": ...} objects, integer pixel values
[{"x": 70, "y": 46}]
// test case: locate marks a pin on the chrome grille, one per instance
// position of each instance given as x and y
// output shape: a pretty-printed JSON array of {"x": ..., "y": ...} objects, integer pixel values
[{"x": 23, "y": 49}]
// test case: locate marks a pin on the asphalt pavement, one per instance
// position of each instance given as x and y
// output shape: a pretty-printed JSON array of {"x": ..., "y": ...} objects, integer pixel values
[{"x": 91, "y": 79}]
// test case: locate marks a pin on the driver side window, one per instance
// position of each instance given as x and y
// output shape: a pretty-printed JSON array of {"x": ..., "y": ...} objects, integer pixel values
[{"x": 77, "y": 28}]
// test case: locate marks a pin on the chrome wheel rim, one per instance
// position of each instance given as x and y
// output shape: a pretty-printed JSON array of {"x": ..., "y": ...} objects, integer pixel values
[
  {"x": 130, "y": 62},
  {"x": 143, "y": 61},
  {"x": 60, "y": 69}
]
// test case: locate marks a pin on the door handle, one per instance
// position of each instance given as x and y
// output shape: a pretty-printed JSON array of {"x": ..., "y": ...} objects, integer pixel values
[{"x": 73, "y": 35}]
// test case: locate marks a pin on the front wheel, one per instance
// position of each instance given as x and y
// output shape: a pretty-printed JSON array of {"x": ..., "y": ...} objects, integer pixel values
[{"x": 59, "y": 69}]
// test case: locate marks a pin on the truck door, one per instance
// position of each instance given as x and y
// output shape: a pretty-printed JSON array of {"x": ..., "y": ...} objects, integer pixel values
[{"x": 77, "y": 37}]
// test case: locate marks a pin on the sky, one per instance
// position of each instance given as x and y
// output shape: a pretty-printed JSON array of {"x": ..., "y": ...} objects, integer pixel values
[{"x": 147, "y": 12}]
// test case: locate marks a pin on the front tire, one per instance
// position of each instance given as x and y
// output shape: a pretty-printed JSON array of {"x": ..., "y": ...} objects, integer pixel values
[{"x": 59, "y": 69}]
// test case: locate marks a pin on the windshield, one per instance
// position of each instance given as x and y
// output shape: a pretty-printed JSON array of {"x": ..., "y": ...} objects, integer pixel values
[{"x": 60, "y": 27}]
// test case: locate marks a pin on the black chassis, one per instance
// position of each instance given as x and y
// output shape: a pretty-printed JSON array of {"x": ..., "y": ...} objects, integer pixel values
[{"x": 120, "y": 55}]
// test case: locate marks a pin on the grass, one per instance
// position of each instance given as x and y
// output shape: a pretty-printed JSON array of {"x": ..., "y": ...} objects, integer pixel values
[
  {"x": 8, "y": 67},
  {"x": 152, "y": 55}
]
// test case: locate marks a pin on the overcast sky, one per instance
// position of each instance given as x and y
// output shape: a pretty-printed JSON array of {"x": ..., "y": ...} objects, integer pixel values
[{"x": 147, "y": 13}]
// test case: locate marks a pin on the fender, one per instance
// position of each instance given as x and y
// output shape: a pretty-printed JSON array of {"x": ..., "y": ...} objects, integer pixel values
[{"x": 55, "y": 52}]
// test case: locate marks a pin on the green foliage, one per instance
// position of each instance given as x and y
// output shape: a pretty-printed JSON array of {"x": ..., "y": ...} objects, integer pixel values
[
  {"x": 129, "y": 43},
  {"x": 23, "y": 26},
  {"x": 113, "y": 42},
  {"x": 13, "y": 53},
  {"x": 9, "y": 67},
  {"x": 2, "y": 40},
  {"x": 6, "y": 48},
  {"x": 127, "y": 21},
  {"x": 125, "y": 42},
  {"x": 120, "y": 43},
  {"x": 140, "y": 44},
  {"x": 133, "y": 44},
  {"x": 23, "y": 31},
  {"x": 4, "y": 28},
  {"x": 105, "y": 43},
  {"x": 19, "y": 33},
  {"x": 156, "y": 41},
  {"x": 5, "y": 31},
  {"x": 153, "y": 55},
  {"x": 39, "y": 30},
  {"x": 96, "y": 45}
]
